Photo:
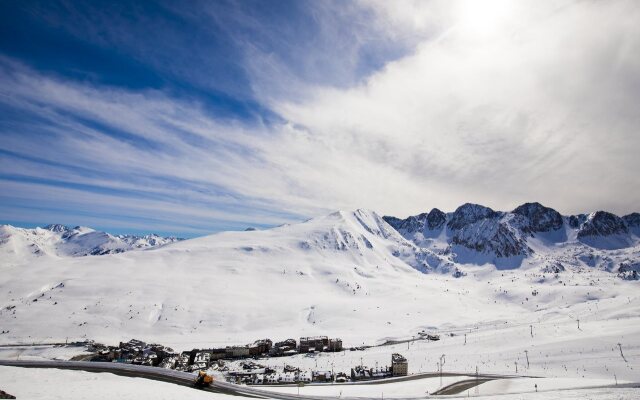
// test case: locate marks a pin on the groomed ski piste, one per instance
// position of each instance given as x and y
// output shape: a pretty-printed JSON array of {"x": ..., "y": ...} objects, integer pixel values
[{"x": 573, "y": 332}]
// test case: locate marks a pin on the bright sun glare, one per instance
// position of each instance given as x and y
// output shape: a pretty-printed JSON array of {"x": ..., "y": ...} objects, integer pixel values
[{"x": 484, "y": 18}]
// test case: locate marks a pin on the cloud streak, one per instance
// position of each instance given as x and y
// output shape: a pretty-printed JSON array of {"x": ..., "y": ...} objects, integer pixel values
[
  {"x": 526, "y": 107},
  {"x": 429, "y": 104}
]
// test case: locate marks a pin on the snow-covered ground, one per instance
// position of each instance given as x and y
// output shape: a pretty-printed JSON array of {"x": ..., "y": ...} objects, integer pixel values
[
  {"x": 53, "y": 384},
  {"x": 407, "y": 389},
  {"x": 423, "y": 387},
  {"x": 41, "y": 352},
  {"x": 347, "y": 275}
]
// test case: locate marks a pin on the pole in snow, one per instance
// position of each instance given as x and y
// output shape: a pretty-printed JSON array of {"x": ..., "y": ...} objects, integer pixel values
[
  {"x": 526, "y": 353},
  {"x": 620, "y": 347},
  {"x": 442, "y": 361},
  {"x": 531, "y": 326}
]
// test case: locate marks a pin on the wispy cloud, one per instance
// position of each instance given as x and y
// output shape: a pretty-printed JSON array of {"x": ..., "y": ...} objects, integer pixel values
[
  {"x": 398, "y": 109},
  {"x": 142, "y": 149},
  {"x": 532, "y": 103}
]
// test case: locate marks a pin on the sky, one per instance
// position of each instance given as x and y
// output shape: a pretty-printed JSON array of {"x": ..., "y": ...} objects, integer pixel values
[{"x": 192, "y": 117}]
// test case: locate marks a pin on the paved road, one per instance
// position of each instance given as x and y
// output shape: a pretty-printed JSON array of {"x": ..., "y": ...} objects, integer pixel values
[
  {"x": 139, "y": 371},
  {"x": 186, "y": 379},
  {"x": 461, "y": 386},
  {"x": 466, "y": 384},
  {"x": 419, "y": 375}
]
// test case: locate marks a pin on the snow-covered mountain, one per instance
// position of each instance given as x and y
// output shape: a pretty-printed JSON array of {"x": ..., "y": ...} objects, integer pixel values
[
  {"x": 19, "y": 244},
  {"x": 237, "y": 282},
  {"x": 531, "y": 233},
  {"x": 350, "y": 275}
]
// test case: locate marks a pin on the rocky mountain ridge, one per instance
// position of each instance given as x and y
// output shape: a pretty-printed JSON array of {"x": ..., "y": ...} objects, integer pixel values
[{"x": 477, "y": 234}]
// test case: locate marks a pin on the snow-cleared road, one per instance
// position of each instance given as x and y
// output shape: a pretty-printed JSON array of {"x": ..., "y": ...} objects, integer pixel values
[
  {"x": 139, "y": 371},
  {"x": 186, "y": 379}
]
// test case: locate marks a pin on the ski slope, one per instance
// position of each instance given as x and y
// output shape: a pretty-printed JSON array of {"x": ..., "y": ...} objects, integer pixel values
[{"x": 348, "y": 275}]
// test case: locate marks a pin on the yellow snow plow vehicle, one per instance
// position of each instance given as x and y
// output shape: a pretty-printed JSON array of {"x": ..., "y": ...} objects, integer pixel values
[{"x": 202, "y": 379}]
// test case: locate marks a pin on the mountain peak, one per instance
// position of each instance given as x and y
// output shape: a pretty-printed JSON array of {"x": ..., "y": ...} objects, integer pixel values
[
  {"x": 540, "y": 218},
  {"x": 59, "y": 228},
  {"x": 435, "y": 219},
  {"x": 632, "y": 220},
  {"x": 469, "y": 213},
  {"x": 602, "y": 223}
]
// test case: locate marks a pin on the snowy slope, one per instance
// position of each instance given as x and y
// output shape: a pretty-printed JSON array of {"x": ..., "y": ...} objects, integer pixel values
[
  {"x": 351, "y": 275},
  {"x": 20, "y": 244}
]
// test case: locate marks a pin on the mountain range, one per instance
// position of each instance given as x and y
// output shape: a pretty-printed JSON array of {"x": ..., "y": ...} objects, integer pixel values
[
  {"x": 63, "y": 241},
  {"x": 475, "y": 234},
  {"x": 432, "y": 241},
  {"x": 389, "y": 275}
]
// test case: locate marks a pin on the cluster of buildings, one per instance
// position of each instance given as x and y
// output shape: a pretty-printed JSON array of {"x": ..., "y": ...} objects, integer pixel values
[
  {"x": 399, "y": 367},
  {"x": 138, "y": 352},
  {"x": 287, "y": 347},
  {"x": 258, "y": 348},
  {"x": 255, "y": 374},
  {"x": 265, "y": 347},
  {"x": 319, "y": 343},
  {"x": 132, "y": 352},
  {"x": 288, "y": 375}
]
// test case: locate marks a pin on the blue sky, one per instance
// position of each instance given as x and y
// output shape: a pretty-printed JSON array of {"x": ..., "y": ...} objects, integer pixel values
[{"x": 193, "y": 117}]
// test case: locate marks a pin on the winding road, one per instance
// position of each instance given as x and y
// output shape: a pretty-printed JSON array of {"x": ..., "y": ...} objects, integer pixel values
[{"x": 186, "y": 379}]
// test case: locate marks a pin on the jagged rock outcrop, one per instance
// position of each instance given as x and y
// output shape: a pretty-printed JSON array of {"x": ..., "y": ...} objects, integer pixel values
[
  {"x": 632, "y": 220},
  {"x": 602, "y": 223},
  {"x": 433, "y": 220},
  {"x": 629, "y": 271},
  {"x": 490, "y": 235},
  {"x": 59, "y": 228},
  {"x": 539, "y": 218},
  {"x": 469, "y": 213},
  {"x": 436, "y": 219},
  {"x": 414, "y": 223},
  {"x": 395, "y": 222},
  {"x": 576, "y": 220},
  {"x": 554, "y": 268}
]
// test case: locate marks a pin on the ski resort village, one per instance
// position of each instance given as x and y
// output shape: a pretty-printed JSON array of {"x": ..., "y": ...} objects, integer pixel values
[{"x": 237, "y": 362}]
